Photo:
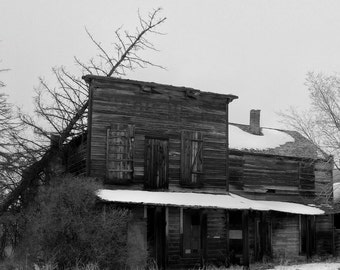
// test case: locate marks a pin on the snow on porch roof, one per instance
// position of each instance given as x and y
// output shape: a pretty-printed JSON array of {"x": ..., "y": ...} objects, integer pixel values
[{"x": 202, "y": 200}]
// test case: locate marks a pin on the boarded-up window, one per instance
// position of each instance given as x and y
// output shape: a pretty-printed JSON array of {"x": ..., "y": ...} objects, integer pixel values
[
  {"x": 191, "y": 158},
  {"x": 119, "y": 153},
  {"x": 156, "y": 163}
]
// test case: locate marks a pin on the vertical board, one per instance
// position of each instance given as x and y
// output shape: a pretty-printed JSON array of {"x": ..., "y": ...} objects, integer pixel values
[{"x": 156, "y": 163}]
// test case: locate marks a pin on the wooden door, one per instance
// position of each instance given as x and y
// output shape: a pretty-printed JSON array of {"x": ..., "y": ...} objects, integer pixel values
[
  {"x": 156, "y": 163},
  {"x": 262, "y": 235},
  {"x": 307, "y": 234}
]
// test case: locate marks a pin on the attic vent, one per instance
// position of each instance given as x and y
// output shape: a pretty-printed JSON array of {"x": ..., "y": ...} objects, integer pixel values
[
  {"x": 254, "y": 122},
  {"x": 146, "y": 88},
  {"x": 192, "y": 93}
]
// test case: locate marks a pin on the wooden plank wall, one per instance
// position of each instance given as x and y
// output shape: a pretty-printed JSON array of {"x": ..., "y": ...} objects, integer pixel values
[
  {"x": 216, "y": 240},
  {"x": 324, "y": 234},
  {"x": 176, "y": 258},
  {"x": 337, "y": 242},
  {"x": 162, "y": 113},
  {"x": 278, "y": 178},
  {"x": 324, "y": 182},
  {"x": 285, "y": 235},
  {"x": 216, "y": 237}
]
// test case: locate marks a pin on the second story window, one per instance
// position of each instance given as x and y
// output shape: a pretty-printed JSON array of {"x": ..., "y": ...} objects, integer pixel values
[
  {"x": 119, "y": 154},
  {"x": 191, "y": 158},
  {"x": 156, "y": 163}
]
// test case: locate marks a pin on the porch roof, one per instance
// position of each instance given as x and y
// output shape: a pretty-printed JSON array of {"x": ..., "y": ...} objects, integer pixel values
[{"x": 202, "y": 200}]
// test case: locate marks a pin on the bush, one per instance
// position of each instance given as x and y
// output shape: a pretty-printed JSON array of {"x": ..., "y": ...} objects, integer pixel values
[{"x": 66, "y": 225}]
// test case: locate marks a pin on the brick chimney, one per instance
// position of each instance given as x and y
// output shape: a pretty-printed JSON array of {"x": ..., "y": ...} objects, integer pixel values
[{"x": 254, "y": 122}]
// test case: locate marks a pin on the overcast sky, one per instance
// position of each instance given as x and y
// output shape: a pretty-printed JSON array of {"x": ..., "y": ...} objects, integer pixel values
[{"x": 257, "y": 50}]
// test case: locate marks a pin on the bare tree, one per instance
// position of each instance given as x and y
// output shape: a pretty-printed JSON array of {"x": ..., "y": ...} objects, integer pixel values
[
  {"x": 62, "y": 110},
  {"x": 10, "y": 156},
  {"x": 321, "y": 123}
]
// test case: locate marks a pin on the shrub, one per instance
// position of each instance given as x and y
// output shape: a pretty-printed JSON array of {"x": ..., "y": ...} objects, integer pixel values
[{"x": 66, "y": 224}]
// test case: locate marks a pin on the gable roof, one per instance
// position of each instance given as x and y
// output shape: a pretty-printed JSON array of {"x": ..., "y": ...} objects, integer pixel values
[{"x": 271, "y": 141}]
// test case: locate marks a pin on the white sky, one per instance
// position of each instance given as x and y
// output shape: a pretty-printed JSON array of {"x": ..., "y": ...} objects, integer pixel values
[{"x": 258, "y": 50}]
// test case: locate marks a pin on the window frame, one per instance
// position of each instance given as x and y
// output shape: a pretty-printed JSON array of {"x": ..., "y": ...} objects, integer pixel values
[{"x": 120, "y": 164}]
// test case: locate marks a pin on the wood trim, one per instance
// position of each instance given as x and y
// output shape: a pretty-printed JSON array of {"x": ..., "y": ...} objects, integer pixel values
[
  {"x": 165, "y": 138},
  {"x": 145, "y": 213},
  {"x": 181, "y": 221},
  {"x": 166, "y": 235},
  {"x": 300, "y": 235},
  {"x": 107, "y": 153},
  {"x": 181, "y": 231},
  {"x": 333, "y": 236},
  {"x": 245, "y": 236},
  {"x": 89, "y": 130},
  {"x": 227, "y": 233},
  {"x": 227, "y": 146},
  {"x": 166, "y": 222},
  {"x": 204, "y": 235}
]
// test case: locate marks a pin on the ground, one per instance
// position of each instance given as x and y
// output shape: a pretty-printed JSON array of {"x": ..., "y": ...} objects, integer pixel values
[{"x": 309, "y": 266}]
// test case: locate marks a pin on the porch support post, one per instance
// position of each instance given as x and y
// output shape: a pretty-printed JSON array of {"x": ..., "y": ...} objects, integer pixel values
[
  {"x": 227, "y": 235},
  {"x": 333, "y": 235},
  {"x": 166, "y": 235},
  {"x": 245, "y": 233},
  {"x": 227, "y": 146}
]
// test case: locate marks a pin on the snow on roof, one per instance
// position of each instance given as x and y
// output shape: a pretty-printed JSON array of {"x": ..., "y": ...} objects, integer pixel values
[
  {"x": 271, "y": 138},
  {"x": 202, "y": 200},
  {"x": 184, "y": 199},
  {"x": 293, "y": 208},
  {"x": 336, "y": 192}
]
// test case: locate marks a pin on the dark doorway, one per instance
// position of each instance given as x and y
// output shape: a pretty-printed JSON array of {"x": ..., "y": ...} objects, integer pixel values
[
  {"x": 262, "y": 231},
  {"x": 235, "y": 237},
  {"x": 156, "y": 163},
  {"x": 156, "y": 235}
]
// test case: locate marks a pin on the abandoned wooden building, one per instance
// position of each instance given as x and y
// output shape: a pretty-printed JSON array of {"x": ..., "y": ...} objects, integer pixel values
[{"x": 201, "y": 189}]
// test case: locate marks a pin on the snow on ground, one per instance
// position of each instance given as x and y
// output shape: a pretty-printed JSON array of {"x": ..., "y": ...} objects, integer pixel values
[
  {"x": 271, "y": 138},
  {"x": 309, "y": 266}
]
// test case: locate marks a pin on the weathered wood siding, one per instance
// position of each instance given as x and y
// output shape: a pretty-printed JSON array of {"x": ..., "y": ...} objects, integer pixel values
[
  {"x": 324, "y": 234},
  {"x": 337, "y": 242},
  {"x": 159, "y": 111},
  {"x": 279, "y": 178},
  {"x": 216, "y": 237},
  {"x": 216, "y": 241},
  {"x": 285, "y": 235},
  {"x": 176, "y": 258}
]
